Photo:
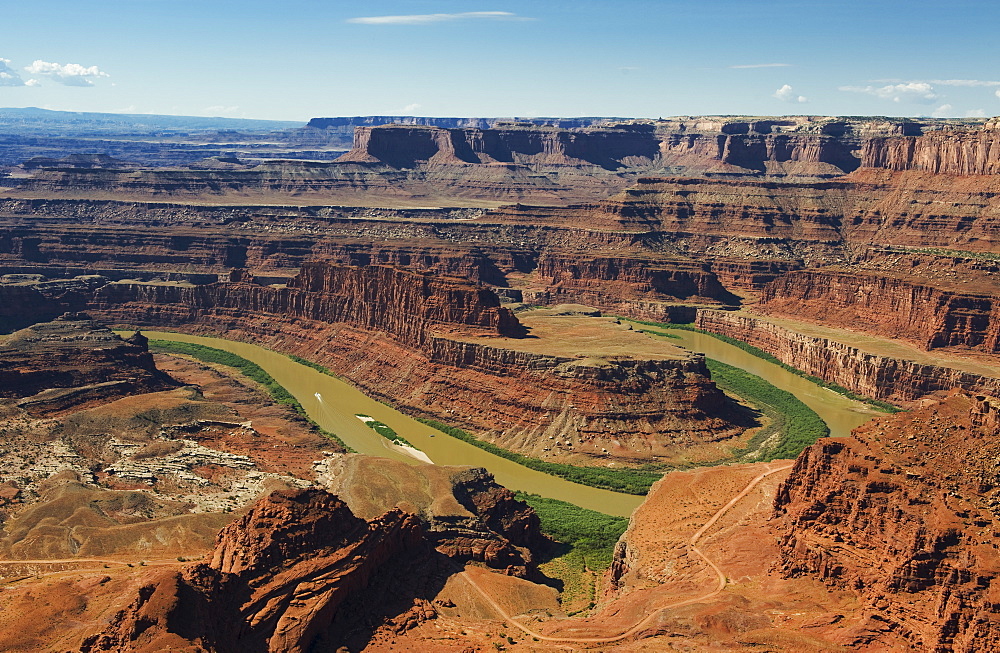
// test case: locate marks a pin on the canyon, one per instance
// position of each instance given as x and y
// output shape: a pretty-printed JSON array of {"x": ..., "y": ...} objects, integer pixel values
[
  {"x": 110, "y": 499},
  {"x": 518, "y": 279},
  {"x": 432, "y": 346}
]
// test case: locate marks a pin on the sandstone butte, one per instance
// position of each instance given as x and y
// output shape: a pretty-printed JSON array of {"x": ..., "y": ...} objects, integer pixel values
[
  {"x": 300, "y": 570},
  {"x": 863, "y": 252}
]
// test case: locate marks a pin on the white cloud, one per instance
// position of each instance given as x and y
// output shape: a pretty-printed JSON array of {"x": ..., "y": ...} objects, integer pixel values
[
  {"x": 943, "y": 111},
  {"x": 975, "y": 113},
  {"x": 423, "y": 19},
  {"x": 763, "y": 65},
  {"x": 410, "y": 108},
  {"x": 786, "y": 94},
  {"x": 71, "y": 74},
  {"x": 32, "y": 82},
  {"x": 8, "y": 76},
  {"x": 997, "y": 93},
  {"x": 920, "y": 92},
  {"x": 963, "y": 82}
]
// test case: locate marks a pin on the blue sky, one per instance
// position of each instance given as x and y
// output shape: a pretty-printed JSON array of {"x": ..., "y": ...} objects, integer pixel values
[{"x": 297, "y": 59}]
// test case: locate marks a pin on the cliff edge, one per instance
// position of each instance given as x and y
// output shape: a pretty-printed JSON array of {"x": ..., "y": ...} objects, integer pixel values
[{"x": 906, "y": 514}]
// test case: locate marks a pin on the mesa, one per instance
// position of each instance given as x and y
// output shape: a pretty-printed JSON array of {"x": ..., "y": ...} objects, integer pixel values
[{"x": 699, "y": 382}]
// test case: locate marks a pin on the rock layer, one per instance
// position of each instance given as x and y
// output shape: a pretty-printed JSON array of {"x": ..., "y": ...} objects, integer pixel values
[
  {"x": 417, "y": 342},
  {"x": 276, "y": 580},
  {"x": 600, "y": 280},
  {"x": 72, "y": 360},
  {"x": 887, "y": 304},
  {"x": 467, "y": 516},
  {"x": 947, "y": 152},
  {"x": 882, "y": 377},
  {"x": 410, "y": 306},
  {"x": 905, "y": 514},
  {"x": 298, "y": 571},
  {"x": 408, "y": 146}
]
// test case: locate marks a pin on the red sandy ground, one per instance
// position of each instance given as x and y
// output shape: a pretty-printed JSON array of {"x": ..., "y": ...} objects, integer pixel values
[{"x": 670, "y": 598}]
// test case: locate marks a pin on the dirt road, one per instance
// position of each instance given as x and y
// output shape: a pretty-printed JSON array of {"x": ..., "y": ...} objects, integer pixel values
[{"x": 721, "y": 578}]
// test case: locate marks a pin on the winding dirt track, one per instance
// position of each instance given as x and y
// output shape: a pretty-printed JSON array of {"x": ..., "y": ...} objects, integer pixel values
[{"x": 645, "y": 621}]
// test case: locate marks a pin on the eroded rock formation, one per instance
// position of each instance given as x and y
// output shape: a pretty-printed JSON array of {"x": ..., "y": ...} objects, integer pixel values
[
  {"x": 612, "y": 282},
  {"x": 408, "y": 146},
  {"x": 893, "y": 379},
  {"x": 423, "y": 344},
  {"x": 948, "y": 152},
  {"x": 410, "y": 306},
  {"x": 467, "y": 515},
  {"x": 73, "y": 360},
  {"x": 926, "y": 313},
  {"x": 905, "y": 514},
  {"x": 275, "y": 581},
  {"x": 298, "y": 570},
  {"x": 789, "y": 146},
  {"x": 652, "y": 251}
]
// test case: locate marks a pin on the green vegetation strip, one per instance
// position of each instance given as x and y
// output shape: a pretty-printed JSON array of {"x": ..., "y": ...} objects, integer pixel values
[
  {"x": 760, "y": 353},
  {"x": 662, "y": 334},
  {"x": 628, "y": 481},
  {"x": 249, "y": 369},
  {"x": 315, "y": 366},
  {"x": 589, "y": 534},
  {"x": 384, "y": 430},
  {"x": 586, "y": 546},
  {"x": 798, "y": 425}
]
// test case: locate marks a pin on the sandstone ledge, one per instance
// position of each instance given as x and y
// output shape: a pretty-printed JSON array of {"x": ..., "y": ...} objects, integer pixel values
[
  {"x": 406, "y": 340},
  {"x": 882, "y": 377}
]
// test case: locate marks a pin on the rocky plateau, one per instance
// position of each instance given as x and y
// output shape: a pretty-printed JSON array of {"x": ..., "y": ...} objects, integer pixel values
[{"x": 473, "y": 271}]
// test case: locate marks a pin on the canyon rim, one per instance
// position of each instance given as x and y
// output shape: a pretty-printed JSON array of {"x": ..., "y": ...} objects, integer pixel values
[{"x": 459, "y": 328}]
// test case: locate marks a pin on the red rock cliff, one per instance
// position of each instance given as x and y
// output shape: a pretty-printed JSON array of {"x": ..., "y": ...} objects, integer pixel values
[
  {"x": 750, "y": 153},
  {"x": 407, "y": 146},
  {"x": 905, "y": 515},
  {"x": 888, "y": 304},
  {"x": 479, "y": 265},
  {"x": 297, "y": 572},
  {"x": 584, "y": 278},
  {"x": 408, "y": 305},
  {"x": 734, "y": 219},
  {"x": 276, "y": 581},
  {"x": 882, "y": 377},
  {"x": 405, "y": 299},
  {"x": 945, "y": 152},
  {"x": 414, "y": 356},
  {"x": 71, "y": 360}
]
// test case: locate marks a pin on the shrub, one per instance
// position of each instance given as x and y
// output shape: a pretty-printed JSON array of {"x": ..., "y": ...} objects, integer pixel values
[
  {"x": 587, "y": 532},
  {"x": 628, "y": 481}
]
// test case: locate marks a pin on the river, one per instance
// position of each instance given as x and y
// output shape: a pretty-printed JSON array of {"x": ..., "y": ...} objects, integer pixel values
[
  {"x": 840, "y": 413},
  {"x": 334, "y": 404},
  {"x": 337, "y": 404}
]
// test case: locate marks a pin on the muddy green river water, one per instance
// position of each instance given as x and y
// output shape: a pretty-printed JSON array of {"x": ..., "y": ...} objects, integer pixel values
[
  {"x": 840, "y": 413},
  {"x": 333, "y": 404}
]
